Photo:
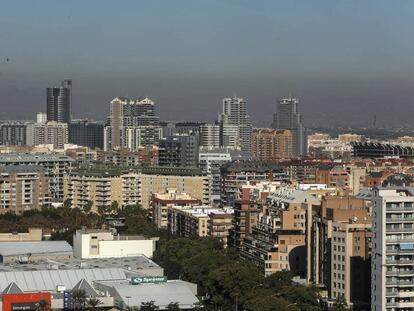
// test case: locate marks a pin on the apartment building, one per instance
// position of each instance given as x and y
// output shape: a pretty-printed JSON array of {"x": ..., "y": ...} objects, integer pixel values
[
  {"x": 101, "y": 187},
  {"x": 220, "y": 223},
  {"x": 161, "y": 201},
  {"x": 54, "y": 133},
  {"x": 125, "y": 157},
  {"x": 56, "y": 166},
  {"x": 246, "y": 215},
  {"x": 345, "y": 178},
  {"x": 392, "y": 282},
  {"x": 136, "y": 185},
  {"x": 190, "y": 221},
  {"x": 237, "y": 173},
  {"x": 210, "y": 161},
  {"x": 271, "y": 144},
  {"x": 160, "y": 179},
  {"x": 330, "y": 229},
  {"x": 350, "y": 262},
  {"x": 23, "y": 188},
  {"x": 273, "y": 249}
]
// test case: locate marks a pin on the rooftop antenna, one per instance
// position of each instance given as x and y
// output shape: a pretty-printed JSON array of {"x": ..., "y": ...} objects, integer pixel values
[{"x": 375, "y": 121}]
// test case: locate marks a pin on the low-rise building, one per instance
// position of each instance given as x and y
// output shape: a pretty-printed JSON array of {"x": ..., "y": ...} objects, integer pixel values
[
  {"x": 23, "y": 252},
  {"x": 33, "y": 234},
  {"x": 115, "y": 282},
  {"x": 97, "y": 243}
]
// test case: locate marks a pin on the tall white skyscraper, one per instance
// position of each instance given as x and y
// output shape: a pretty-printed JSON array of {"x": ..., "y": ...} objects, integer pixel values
[
  {"x": 392, "y": 265},
  {"x": 288, "y": 117},
  {"x": 235, "y": 113}
]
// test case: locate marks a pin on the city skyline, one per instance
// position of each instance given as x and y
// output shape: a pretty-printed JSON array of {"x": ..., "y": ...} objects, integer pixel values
[{"x": 342, "y": 60}]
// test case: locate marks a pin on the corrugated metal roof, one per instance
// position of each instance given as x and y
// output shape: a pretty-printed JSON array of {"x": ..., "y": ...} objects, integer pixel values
[
  {"x": 162, "y": 294},
  {"x": 47, "y": 280},
  {"x": 34, "y": 247}
]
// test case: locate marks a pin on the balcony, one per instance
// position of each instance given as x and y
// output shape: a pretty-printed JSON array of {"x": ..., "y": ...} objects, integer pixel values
[
  {"x": 400, "y": 282},
  {"x": 399, "y": 240},
  {"x": 400, "y": 262},
  {"x": 399, "y": 219},
  {"x": 402, "y": 230},
  {"x": 399, "y": 208},
  {"x": 400, "y": 272}
]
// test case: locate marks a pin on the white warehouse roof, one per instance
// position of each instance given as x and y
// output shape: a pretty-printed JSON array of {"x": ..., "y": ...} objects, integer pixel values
[
  {"x": 34, "y": 247},
  {"x": 47, "y": 280}
]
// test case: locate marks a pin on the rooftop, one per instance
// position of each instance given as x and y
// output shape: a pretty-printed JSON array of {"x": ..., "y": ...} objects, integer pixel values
[
  {"x": 38, "y": 157},
  {"x": 131, "y": 265},
  {"x": 184, "y": 293},
  {"x": 34, "y": 248},
  {"x": 47, "y": 280},
  {"x": 11, "y": 169},
  {"x": 111, "y": 171}
]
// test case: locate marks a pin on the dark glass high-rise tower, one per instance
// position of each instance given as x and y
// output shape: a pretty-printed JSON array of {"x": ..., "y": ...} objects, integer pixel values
[
  {"x": 288, "y": 117},
  {"x": 59, "y": 101}
]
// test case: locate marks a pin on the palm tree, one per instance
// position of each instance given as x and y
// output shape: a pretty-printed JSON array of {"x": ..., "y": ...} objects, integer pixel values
[
  {"x": 93, "y": 303},
  {"x": 78, "y": 299}
]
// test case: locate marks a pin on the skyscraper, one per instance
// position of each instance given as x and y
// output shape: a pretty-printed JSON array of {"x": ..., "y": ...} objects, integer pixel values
[
  {"x": 130, "y": 121},
  {"x": 59, "y": 101},
  {"x": 235, "y": 113},
  {"x": 288, "y": 117}
]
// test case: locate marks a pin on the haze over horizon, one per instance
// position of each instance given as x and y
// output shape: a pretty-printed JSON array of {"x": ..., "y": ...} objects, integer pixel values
[{"x": 345, "y": 61}]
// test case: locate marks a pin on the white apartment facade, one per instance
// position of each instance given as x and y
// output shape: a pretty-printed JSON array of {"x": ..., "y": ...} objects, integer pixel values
[{"x": 392, "y": 280}]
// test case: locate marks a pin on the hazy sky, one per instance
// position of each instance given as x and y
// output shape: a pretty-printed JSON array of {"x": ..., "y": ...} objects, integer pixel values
[{"x": 346, "y": 60}]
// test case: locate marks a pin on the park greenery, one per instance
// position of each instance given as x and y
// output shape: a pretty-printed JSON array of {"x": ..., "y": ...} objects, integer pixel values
[{"x": 225, "y": 281}]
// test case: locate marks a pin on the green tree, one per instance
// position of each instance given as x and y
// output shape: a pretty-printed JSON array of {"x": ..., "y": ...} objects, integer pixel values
[
  {"x": 173, "y": 306},
  {"x": 93, "y": 303},
  {"x": 148, "y": 306},
  {"x": 114, "y": 209},
  {"x": 88, "y": 207},
  {"x": 78, "y": 299},
  {"x": 67, "y": 203},
  {"x": 340, "y": 303},
  {"x": 103, "y": 210}
]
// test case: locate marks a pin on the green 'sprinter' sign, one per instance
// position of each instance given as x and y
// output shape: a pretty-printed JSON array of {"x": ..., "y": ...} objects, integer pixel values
[{"x": 148, "y": 279}]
